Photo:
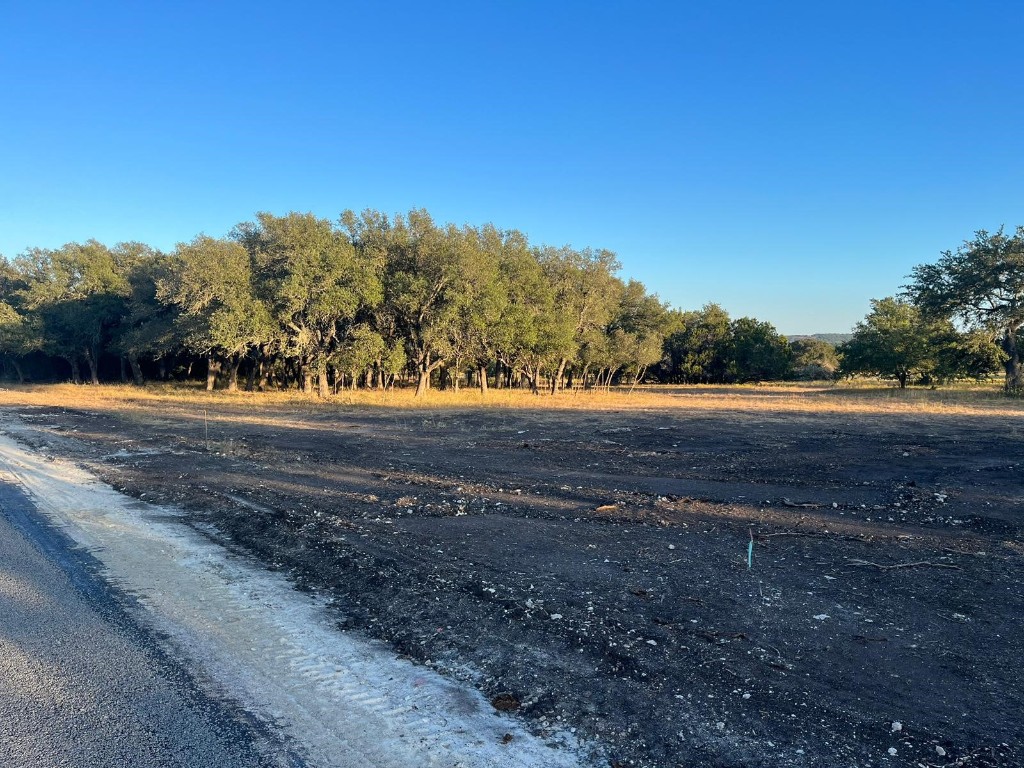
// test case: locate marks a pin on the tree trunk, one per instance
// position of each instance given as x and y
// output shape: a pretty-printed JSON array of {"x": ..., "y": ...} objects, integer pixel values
[
  {"x": 422, "y": 382},
  {"x": 325, "y": 387},
  {"x": 556, "y": 380},
  {"x": 233, "y": 362},
  {"x": 133, "y": 361},
  {"x": 18, "y": 370},
  {"x": 212, "y": 369},
  {"x": 482, "y": 375},
  {"x": 902, "y": 378},
  {"x": 423, "y": 368},
  {"x": 307, "y": 380},
  {"x": 124, "y": 370},
  {"x": 1013, "y": 365},
  {"x": 250, "y": 378},
  {"x": 90, "y": 358},
  {"x": 76, "y": 372}
]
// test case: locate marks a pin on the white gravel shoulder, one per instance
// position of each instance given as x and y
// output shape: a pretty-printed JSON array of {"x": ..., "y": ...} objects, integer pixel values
[{"x": 345, "y": 700}]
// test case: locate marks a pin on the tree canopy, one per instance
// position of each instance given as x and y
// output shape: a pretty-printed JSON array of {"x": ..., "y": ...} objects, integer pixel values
[
  {"x": 298, "y": 300},
  {"x": 982, "y": 284}
]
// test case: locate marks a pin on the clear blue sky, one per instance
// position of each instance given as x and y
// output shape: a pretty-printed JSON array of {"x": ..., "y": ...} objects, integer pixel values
[{"x": 788, "y": 160}]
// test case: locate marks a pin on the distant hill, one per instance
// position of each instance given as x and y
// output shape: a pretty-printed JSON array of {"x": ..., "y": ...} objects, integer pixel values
[{"x": 831, "y": 338}]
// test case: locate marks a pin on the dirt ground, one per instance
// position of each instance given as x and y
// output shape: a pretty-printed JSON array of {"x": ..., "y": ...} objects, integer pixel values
[{"x": 590, "y": 569}]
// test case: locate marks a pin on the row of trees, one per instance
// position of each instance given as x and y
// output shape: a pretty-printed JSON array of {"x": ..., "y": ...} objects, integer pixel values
[
  {"x": 297, "y": 300},
  {"x": 300, "y": 300},
  {"x": 708, "y": 347}
]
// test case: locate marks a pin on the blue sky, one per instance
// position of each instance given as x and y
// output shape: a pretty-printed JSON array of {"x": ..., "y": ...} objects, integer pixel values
[{"x": 789, "y": 160}]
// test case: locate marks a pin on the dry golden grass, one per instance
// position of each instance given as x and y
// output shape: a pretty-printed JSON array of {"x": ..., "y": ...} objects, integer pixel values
[{"x": 794, "y": 399}]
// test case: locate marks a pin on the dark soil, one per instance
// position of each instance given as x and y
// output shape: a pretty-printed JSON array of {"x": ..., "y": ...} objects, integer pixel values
[{"x": 589, "y": 570}]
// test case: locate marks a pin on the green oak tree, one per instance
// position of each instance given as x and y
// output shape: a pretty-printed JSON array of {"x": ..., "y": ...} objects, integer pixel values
[
  {"x": 79, "y": 296},
  {"x": 757, "y": 352},
  {"x": 982, "y": 284},
  {"x": 211, "y": 283},
  {"x": 697, "y": 351},
  {"x": 147, "y": 327},
  {"x": 895, "y": 341},
  {"x": 313, "y": 282}
]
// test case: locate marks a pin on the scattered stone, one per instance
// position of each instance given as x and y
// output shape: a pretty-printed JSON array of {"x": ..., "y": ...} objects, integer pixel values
[
  {"x": 892, "y": 751},
  {"x": 897, "y": 726},
  {"x": 505, "y": 702},
  {"x": 822, "y": 616},
  {"x": 940, "y": 751}
]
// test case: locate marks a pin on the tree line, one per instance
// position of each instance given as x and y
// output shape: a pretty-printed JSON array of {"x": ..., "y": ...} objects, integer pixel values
[{"x": 298, "y": 301}]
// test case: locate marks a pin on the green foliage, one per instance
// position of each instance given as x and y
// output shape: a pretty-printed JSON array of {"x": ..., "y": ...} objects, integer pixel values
[
  {"x": 77, "y": 295},
  {"x": 311, "y": 281},
  {"x": 697, "y": 352},
  {"x": 982, "y": 284},
  {"x": 896, "y": 341},
  {"x": 20, "y": 331},
  {"x": 814, "y": 359},
  {"x": 211, "y": 283},
  {"x": 297, "y": 299},
  {"x": 147, "y": 326},
  {"x": 707, "y": 347},
  {"x": 757, "y": 352}
]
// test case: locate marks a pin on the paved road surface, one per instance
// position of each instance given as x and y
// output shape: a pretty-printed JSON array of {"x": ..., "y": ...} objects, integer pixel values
[{"x": 81, "y": 685}]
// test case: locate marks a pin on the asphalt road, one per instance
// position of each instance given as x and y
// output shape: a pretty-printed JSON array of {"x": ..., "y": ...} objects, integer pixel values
[{"x": 82, "y": 684}]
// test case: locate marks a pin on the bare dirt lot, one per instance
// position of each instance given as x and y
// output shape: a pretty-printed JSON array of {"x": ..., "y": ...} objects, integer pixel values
[{"x": 588, "y": 568}]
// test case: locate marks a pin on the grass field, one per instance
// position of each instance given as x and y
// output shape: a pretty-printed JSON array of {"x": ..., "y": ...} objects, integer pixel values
[{"x": 981, "y": 400}]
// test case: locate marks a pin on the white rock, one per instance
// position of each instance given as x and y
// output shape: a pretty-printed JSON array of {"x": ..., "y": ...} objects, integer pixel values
[
  {"x": 940, "y": 751},
  {"x": 897, "y": 726},
  {"x": 822, "y": 616},
  {"x": 720, "y": 725},
  {"x": 671, "y": 546},
  {"x": 892, "y": 751},
  {"x": 556, "y": 615}
]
